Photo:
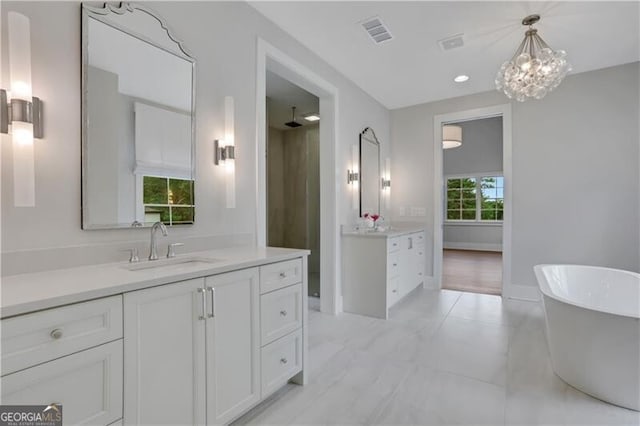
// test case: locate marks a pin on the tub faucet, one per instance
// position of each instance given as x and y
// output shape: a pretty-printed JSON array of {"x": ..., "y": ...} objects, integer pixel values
[{"x": 153, "y": 251}]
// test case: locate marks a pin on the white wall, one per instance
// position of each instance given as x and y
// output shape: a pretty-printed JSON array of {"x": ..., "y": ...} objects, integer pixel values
[
  {"x": 481, "y": 150},
  {"x": 222, "y": 37},
  {"x": 575, "y": 170}
]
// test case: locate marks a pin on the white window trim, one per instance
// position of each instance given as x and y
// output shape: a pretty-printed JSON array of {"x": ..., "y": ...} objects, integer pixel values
[{"x": 477, "y": 221}]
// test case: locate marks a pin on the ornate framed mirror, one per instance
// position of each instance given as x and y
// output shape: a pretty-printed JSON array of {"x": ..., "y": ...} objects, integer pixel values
[
  {"x": 369, "y": 172},
  {"x": 138, "y": 120}
]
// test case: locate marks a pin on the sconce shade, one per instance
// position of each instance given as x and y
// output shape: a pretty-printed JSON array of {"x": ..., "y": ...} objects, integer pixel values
[
  {"x": 353, "y": 176},
  {"x": 451, "y": 136},
  {"x": 21, "y": 98},
  {"x": 229, "y": 143},
  {"x": 19, "y": 56}
]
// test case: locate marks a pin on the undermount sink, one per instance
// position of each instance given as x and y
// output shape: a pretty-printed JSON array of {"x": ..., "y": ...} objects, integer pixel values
[{"x": 176, "y": 262}]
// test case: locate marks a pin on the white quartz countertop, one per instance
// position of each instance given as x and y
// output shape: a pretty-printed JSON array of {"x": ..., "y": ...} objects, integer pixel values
[
  {"x": 393, "y": 232},
  {"x": 35, "y": 291}
]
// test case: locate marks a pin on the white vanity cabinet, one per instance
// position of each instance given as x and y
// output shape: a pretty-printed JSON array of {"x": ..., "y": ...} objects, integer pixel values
[
  {"x": 202, "y": 345},
  {"x": 71, "y": 355},
  {"x": 192, "y": 350},
  {"x": 380, "y": 268},
  {"x": 283, "y": 292}
]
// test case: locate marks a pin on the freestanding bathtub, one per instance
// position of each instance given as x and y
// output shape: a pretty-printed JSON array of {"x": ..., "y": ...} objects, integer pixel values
[{"x": 593, "y": 329}]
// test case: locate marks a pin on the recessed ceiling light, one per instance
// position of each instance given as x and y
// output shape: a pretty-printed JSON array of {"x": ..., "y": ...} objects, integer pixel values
[
  {"x": 312, "y": 117},
  {"x": 461, "y": 78}
]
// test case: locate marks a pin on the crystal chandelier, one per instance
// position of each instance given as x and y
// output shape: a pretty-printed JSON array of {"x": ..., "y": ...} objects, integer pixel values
[{"x": 535, "y": 69}]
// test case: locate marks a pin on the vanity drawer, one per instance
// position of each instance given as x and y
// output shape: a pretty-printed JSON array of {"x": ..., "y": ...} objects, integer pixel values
[
  {"x": 279, "y": 275},
  {"x": 88, "y": 384},
  {"x": 280, "y": 312},
  {"x": 281, "y": 360},
  {"x": 42, "y": 336},
  {"x": 393, "y": 244},
  {"x": 417, "y": 240},
  {"x": 393, "y": 264}
]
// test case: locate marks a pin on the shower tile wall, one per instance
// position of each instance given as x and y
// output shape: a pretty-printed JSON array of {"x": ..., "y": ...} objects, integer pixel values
[
  {"x": 275, "y": 188},
  {"x": 294, "y": 193}
]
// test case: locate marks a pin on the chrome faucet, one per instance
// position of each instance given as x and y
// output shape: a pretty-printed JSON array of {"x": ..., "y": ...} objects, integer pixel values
[{"x": 153, "y": 251}]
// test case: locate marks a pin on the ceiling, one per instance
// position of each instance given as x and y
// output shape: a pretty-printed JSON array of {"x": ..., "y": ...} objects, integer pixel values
[
  {"x": 282, "y": 95},
  {"x": 412, "y": 68}
]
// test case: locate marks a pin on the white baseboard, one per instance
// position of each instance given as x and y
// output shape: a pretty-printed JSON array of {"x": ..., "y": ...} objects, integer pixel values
[
  {"x": 473, "y": 246},
  {"x": 522, "y": 292}
]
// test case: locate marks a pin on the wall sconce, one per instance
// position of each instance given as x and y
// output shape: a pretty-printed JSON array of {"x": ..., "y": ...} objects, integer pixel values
[
  {"x": 225, "y": 152},
  {"x": 353, "y": 175},
  {"x": 386, "y": 182},
  {"x": 20, "y": 110},
  {"x": 386, "y": 174}
]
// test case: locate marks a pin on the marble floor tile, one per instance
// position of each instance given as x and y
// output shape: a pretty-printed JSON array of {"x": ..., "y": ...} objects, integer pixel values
[
  {"x": 453, "y": 399},
  {"x": 534, "y": 408},
  {"x": 582, "y": 409},
  {"x": 480, "y": 307},
  {"x": 443, "y": 357},
  {"x": 494, "y": 336},
  {"x": 397, "y": 412},
  {"x": 429, "y": 303},
  {"x": 479, "y": 362},
  {"x": 379, "y": 338}
]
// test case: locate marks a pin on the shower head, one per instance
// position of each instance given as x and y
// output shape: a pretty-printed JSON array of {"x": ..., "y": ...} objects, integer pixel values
[{"x": 293, "y": 123}]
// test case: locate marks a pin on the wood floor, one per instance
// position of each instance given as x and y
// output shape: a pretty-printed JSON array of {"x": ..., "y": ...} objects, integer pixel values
[{"x": 473, "y": 271}]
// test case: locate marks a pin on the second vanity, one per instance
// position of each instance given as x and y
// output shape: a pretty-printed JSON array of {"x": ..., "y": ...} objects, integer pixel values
[
  {"x": 380, "y": 268},
  {"x": 198, "y": 339}
]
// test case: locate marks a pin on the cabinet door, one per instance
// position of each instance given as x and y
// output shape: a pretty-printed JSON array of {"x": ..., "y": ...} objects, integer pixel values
[
  {"x": 164, "y": 354},
  {"x": 407, "y": 268},
  {"x": 233, "y": 339},
  {"x": 88, "y": 384}
]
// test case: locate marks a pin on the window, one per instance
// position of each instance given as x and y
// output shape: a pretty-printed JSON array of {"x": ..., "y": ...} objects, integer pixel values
[
  {"x": 168, "y": 200},
  {"x": 477, "y": 198},
  {"x": 492, "y": 198}
]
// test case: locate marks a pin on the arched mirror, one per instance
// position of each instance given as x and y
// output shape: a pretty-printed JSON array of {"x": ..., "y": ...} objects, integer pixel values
[
  {"x": 369, "y": 172},
  {"x": 138, "y": 112}
]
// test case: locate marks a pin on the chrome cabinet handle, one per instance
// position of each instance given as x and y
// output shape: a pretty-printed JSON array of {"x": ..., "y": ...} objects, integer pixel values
[
  {"x": 56, "y": 333},
  {"x": 204, "y": 304},
  {"x": 213, "y": 302},
  {"x": 283, "y": 313},
  {"x": 283, "y": 361}
]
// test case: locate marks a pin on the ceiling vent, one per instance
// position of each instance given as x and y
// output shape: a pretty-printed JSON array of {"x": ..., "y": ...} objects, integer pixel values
[
  {"x": 453, "y": 42},
  {"x": 376, "y": 30}
]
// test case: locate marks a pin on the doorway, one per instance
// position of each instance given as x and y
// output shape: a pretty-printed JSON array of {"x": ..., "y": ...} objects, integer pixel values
[
  {"x": 473, "y": 205},
  {"x": 270, "y": 58},
  {"x": 472, "y": 201},
  {"x": 293, "y": 173}
]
